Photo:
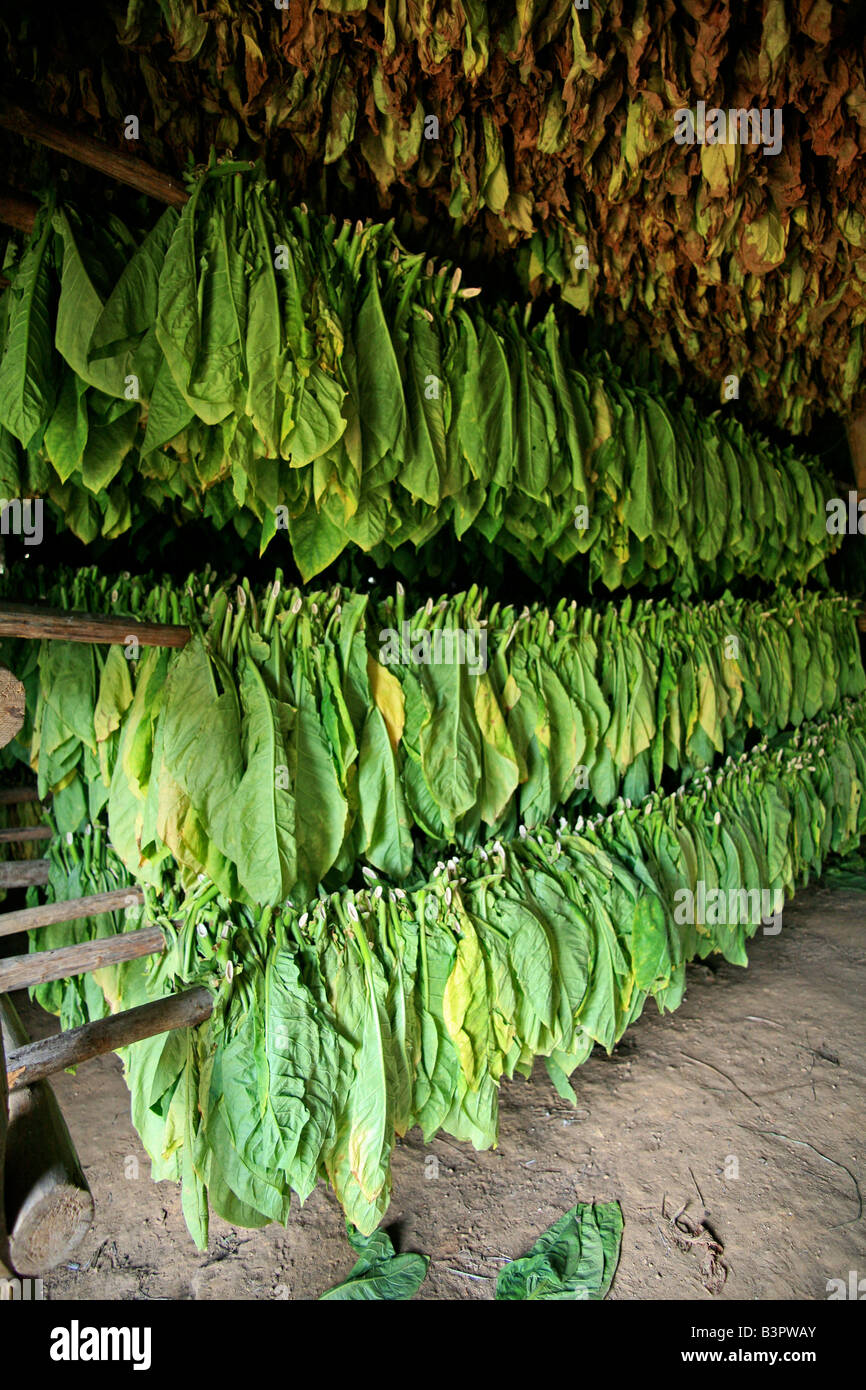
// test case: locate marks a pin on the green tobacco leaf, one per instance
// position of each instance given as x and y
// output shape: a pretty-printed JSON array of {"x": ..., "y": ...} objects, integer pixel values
[
  {"x": 125, "y": 330},
  {"x": 28, "y": 375},
  {"x": 80, "y": 305},
  {"x": 370, "y": 1134},
  {"x": 169, "y": 411},
  {"x": 380, "y": 1274},
  {"x": 263, "y": 805},
  {"x": 465, "y": 1006},
  {"x": 450, "y": 741},
  {"x": 387, "y": 838},
  {"x": 66, "y": 432},
  {"x": 575, "y": 1259},
  {"x": 320, "y": 807},
  {"x": 383, "y": 408}
]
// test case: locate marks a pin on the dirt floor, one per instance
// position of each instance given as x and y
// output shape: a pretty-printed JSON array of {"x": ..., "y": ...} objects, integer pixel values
[{"x": 746, "y": 1108}]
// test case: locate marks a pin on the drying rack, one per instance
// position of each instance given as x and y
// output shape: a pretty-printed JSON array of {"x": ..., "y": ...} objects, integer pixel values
[{"x": 29, "y": 1064}]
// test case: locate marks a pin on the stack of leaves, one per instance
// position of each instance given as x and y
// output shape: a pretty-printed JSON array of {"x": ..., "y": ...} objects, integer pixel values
[
  {"x": 339, "y": 1027},
  {"x": 256, "y": 364},
  {"x": 554, "y": 129},
  {"x": 298, "y": 735}
]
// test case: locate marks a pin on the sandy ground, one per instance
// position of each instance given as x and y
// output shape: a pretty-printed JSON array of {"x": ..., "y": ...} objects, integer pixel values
[{"x": 746, "y": 1108}]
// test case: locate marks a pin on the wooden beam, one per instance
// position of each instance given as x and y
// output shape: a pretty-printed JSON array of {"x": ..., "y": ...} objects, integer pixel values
[
  {"x": 23, "y": 972},
  {"x": 24, "y": 873},
  {"x": 48, "y": 1203},
  {"x": 66, "y": 140},
  {"x": 71, "y": 910},
  {"x": 22, "y": 620},
  {"x": 14, "y": 833},
  {"x": 37, "y": 1060},
  {"x": 11, "y": 796},
  {"x": 17, "y": 210}
]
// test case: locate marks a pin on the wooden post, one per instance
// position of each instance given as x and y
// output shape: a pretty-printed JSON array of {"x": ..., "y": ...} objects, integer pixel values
[
  {"x": 4, "y": 1131},
  {"x": 21, "y": 620},
  {"x": 11, "y": 706},
  {"x": 70, "y": 910},
  {"x": 48, "y": 1203},
  {"x": 36, "y": 1060},
  {"x": 23, "y": 972},
  {"x": 25, "y": 873},
  {"x": 66, "y": 140},
  {"x": 855, "y": 428}
]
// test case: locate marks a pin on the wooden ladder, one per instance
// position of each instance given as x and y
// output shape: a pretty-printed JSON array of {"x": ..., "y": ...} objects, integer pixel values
[{"x": 47, "y": 1205}]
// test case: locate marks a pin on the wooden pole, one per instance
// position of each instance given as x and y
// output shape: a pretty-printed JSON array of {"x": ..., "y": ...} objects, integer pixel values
[
  {"x": 36, "y": 1060},
  {"x": 11, "y": 706},
  {"x": 48, "y": 1203},
  {"x": 20, "y": 620},
  {"x": 71, "y": 910},
  {"x": 25, "y": 832},
  {"x": 124, "y": 168},
  {"x": 24, "y": 873},
  {"x": 23, "y": 972},
  {"x": 4, "y": 1133},
  {"x": 11, "y": 796},
  {"x": 855, "y": 428}
]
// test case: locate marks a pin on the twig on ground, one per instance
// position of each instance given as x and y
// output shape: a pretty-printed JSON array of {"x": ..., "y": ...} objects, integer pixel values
[{"x": 719, "y": 1072}]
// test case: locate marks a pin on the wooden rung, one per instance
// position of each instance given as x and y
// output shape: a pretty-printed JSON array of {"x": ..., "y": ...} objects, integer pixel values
[
  {"x": 11, "y": 796},
  {"x": 71, "y": 910},
  {"x": 25, "y": 832},
  {"x": 23, "y": 972},
  {"x": 22, "y": 620},
  {"x": 24, "y": 873},
  {"x": 37, "y": 1060}
]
